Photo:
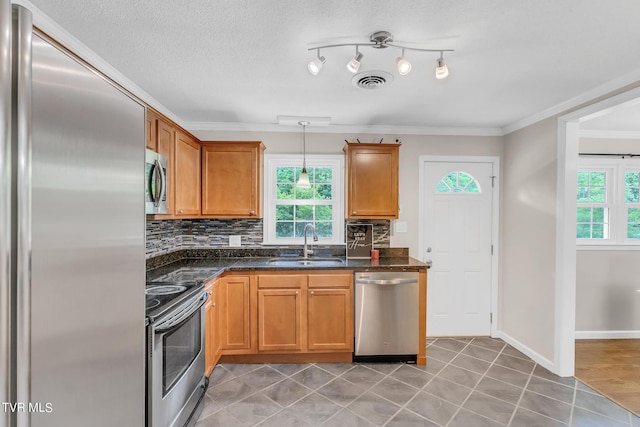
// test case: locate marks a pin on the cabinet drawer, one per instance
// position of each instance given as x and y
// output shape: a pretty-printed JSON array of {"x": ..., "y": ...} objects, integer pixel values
[
  {"x": 281, "y": 281},
  {"x": 330, "y": 280}
]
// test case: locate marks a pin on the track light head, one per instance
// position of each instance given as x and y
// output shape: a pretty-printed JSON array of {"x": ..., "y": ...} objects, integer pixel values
[
  {"x": 404, "y": 66},
  {"x": 354, "y": 64},
  {"x": 315, "y": 65},
  {"x": 441, "y": 69}
]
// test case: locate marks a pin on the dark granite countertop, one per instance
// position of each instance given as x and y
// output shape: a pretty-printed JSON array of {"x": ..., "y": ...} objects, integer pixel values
[{"x": 204, "y": 269}]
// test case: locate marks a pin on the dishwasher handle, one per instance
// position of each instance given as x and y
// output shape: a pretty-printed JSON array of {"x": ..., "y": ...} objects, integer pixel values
[{"x": 386, "y": 281}]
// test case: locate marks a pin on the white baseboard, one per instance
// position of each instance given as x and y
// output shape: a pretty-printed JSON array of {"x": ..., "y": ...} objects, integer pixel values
[
  {"x": 536, "y": 357},
  {"x": 606, "y": 335}
]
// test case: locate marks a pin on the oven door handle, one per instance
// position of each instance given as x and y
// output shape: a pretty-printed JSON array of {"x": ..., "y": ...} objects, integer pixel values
[{"x": 176, "y": 321}]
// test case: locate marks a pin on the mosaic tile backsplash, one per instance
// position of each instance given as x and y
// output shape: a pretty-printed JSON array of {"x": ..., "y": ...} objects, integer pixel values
[{"x": 175, "y": 234}]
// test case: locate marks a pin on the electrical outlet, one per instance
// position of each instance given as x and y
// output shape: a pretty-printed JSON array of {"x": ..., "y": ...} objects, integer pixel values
[{"x": 235, "y": 241}]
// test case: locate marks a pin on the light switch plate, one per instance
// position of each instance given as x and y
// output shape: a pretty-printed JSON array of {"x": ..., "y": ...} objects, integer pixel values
[{"x": 235, "y": 241}]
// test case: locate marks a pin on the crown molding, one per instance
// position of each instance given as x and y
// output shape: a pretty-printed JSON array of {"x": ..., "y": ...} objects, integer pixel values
[
  {"x": 563, "y": 107},
  {"x": 609, "y": 134},
  {"x": 364, "y": 129},
  {"x": 66, "y": 39}
]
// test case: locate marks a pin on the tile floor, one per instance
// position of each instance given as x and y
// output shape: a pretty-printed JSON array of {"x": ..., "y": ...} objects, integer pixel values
[{"x": 470, "y": 382}]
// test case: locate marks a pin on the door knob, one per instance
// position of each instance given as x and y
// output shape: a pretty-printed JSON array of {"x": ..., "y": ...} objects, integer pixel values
[{"x": 429, "y": 249}]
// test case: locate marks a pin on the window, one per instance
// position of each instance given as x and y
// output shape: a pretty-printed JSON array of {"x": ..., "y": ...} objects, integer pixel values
[
  {"x": 458, "y": 182},
  {"x": 289, "y": 209},
  {"x": 608, "y": 202}
]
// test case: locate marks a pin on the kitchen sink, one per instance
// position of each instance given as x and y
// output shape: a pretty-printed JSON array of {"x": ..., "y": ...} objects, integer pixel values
[{"x": 296, "y": 262}]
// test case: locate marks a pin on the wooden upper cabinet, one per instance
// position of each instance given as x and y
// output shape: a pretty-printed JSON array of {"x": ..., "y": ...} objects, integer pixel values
[
  {"x": 232, "y": 179},
  {"x": 186, "y": 175},
  {"x": 150, "y": 130},
  {"x": 372, "y": 180}
]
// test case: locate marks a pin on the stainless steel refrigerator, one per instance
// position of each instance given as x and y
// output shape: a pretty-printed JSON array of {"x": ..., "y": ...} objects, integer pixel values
[{"x": 72, "y": 257}]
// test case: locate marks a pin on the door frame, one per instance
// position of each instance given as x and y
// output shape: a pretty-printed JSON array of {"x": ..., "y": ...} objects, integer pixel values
[{"x": 495, "y": 219}]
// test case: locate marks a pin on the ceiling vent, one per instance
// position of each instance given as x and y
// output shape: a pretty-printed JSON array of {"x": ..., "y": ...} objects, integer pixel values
[{"x": 372, "y": 79}]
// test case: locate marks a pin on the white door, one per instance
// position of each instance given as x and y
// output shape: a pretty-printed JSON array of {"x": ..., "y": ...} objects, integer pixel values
[{"x": 458, "y": 218}]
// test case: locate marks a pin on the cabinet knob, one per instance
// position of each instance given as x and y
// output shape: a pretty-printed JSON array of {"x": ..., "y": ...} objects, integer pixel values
[
  {"x": 252, "y": 212},
  {"x": 180, "y": 211},
  {"x": 297, "y": 292},
  {"x": 214, "y": 304},
  {"x": 311, "y": 292},
  {"x": 354, "y": 213}
]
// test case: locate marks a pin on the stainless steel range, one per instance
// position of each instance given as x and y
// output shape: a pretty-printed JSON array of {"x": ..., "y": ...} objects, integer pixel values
[{"x": 176, "y": 383}]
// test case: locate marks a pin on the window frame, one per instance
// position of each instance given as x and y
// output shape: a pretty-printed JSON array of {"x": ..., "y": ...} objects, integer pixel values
[
  {"x": 271, "y": 162},
  {"x": 615, "y": 170}
]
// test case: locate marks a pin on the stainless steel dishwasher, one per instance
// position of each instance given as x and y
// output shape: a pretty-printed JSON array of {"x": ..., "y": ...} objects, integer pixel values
[{"x": 386, "y": 316}]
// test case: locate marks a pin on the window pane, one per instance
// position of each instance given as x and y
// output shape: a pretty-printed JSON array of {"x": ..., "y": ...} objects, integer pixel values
[
  {"x": 304, "y": 212},
  {"x": 300, "y": 229},
  {"x": 284, "y": 191},
  {"x": 324, "y": 212},
  {"x": 323, "y": 175},
  {"x": 598, "y": 231},
  {"x": 583, "y": 194},
  {"x": 473, "y": 188},
  {"x": 596, "y": 179},
  {"x": 284, "y": 212},
  {"x": 442, "y": 188},
  {"x": 323, "y": 228},
  {"x": 451, "y": 180},
  {"x": 631, "y": 195},
  {"x": 633, "y": 231},
  {"x": 584, "y": 231},
  {"x": 464, "y": 179},
  {"x": 633, "y": 215},
  {"x": 583, "y": 179},
  {"x": 597, "y": 194},
  {"x": 584, "y": 215},
  {"x": 632, "y": 179},
  {"x": 598, "y": 214},
  {"x": 323, "y": 192},
  {"x": 285, "y": 174},
  {"x": 284, "y": 229},
  {"x": 305, "y": 193}
]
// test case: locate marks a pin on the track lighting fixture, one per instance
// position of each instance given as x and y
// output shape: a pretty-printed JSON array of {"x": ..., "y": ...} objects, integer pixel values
[
  {"x": 315, "y": 65},
  {"x": 354, "y": 64},
  {"x": 441, "y": 69},
  {"x": 380, "y": 40},
  {"x": 404, "y": 66}
]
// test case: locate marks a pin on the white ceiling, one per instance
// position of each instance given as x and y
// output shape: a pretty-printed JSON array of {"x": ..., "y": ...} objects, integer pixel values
[{"x": 244, "y": 62}]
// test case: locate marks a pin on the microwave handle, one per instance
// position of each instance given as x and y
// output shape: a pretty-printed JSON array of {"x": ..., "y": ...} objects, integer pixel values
[{"x": 160, "y": 180}]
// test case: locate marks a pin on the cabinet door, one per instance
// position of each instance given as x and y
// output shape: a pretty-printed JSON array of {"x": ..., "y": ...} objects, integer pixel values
[
  {"x": 279, "y": 320},
  {"x": 330, "y": 319},
  {"x": 234, "y": 313},
  {"x": 187, "y": 176},
  {"x": 166, "y": 136},
  {"x": 215, "y": 329},
  {"x": 150, "y": 131},
  {"x": 231, "y": 184},
  {"x": 372, "y": 181},
  {"x": 208, "y": 336}
]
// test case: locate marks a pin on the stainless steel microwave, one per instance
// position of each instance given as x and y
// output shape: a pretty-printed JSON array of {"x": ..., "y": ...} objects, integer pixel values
[{"x": 155, "y": 183}]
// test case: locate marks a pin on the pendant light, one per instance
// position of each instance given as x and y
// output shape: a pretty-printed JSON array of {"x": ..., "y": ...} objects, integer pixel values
[{"x": 303, "y": 181}]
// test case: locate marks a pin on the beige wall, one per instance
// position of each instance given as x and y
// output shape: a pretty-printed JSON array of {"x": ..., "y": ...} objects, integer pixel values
[
  {"x": 413, "y": 146},
  {"x": 528, "y": 236},
  {"x": 607, "y": 297}
]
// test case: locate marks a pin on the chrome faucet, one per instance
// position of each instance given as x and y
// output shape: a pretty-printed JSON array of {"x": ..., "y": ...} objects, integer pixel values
[{"x": 306, "y": 252}]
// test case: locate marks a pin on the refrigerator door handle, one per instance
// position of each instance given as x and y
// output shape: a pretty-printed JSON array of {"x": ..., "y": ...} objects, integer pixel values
[
  {"x": 5, "y": 207},
  {"x": 22, "y": 84}
]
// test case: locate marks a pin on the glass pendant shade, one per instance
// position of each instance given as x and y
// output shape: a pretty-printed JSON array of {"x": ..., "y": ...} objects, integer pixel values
[{"x": 303, "y": 181}]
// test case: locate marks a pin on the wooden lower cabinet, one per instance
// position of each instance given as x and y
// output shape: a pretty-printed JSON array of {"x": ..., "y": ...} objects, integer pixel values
[
  {"x": 235, "y": 314},
  {"x": 330, "y": 319},
  {"x": 279, "y": 320},
  {"x": 305, "y": 313},
  {"x": 212, "y": 327}
]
